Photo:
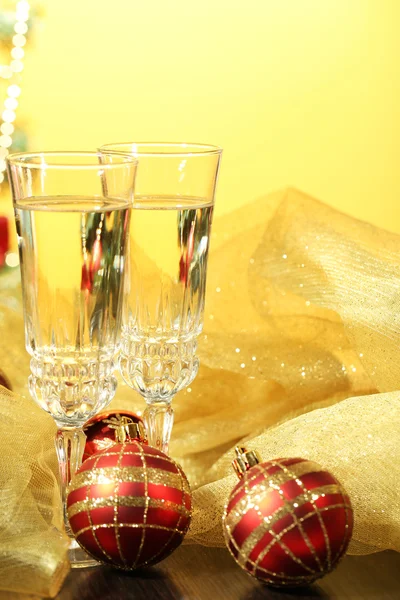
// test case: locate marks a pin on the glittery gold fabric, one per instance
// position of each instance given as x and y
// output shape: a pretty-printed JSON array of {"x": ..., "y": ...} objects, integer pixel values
[{"x": 299, "y": 357}]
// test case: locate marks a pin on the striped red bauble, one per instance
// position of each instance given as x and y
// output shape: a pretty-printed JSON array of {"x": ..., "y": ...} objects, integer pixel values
[
  {"x": 129, "y": 505},
  {"x": 288, "y": 521}
]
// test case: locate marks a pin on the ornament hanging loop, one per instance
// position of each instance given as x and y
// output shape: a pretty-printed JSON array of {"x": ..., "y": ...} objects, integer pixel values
[
  {"x": 126, "y": 429},
  {"x": 245, "y": 459}
]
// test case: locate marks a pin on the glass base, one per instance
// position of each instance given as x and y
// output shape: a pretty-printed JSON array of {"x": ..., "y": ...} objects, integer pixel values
[{"x": 79, "y": 559}]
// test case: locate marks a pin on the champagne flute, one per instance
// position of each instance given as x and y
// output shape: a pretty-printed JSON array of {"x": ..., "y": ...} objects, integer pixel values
[
  {"x": 165, "y": 292},
  {"x": 72, "y": 213}
]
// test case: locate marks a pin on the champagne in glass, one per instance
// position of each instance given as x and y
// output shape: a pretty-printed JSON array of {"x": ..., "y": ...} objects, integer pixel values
[
  {"x": 71, "y": 299},
  {"x": 72, "y": 217},
  {"x": 164, "y": 313}
]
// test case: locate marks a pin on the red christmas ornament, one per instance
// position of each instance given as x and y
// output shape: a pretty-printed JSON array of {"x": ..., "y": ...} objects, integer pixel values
[
  {"x": 288, "y": 521},
  {"x": 100, "y": 430},
  {"x": 129, "y": 505},
  {"x": 4, "y": 239}
]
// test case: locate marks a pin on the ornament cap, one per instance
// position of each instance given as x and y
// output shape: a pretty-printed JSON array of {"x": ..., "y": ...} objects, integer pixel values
[
  {"x": 127, "y": 429},
  {"x": 245, "y": 459}
]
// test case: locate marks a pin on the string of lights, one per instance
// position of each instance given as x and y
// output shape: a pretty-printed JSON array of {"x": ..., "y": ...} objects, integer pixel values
[{"x": 10, "y": 72}]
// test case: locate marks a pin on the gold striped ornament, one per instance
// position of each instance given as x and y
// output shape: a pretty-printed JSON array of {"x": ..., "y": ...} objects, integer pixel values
[
  {"x": 288, "y": 521},
  {"x": 129, "y": 505}
]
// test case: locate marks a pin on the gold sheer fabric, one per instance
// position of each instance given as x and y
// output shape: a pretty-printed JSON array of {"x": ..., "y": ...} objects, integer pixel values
[{"x": 299, "y": 358}]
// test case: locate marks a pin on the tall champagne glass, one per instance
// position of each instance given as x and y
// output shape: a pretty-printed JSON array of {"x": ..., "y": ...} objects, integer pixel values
[
  {"x": 168, "y": 250},
  {"x": 72, "y": 213}
]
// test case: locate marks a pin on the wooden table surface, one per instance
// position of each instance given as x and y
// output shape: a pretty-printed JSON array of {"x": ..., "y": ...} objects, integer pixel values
[{"x": 197, "y": 573}]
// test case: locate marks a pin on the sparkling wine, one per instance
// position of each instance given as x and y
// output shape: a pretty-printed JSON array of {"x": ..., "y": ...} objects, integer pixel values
[
  {"x": 165, "y": 289},
  {"x": 72, "y": 253}
]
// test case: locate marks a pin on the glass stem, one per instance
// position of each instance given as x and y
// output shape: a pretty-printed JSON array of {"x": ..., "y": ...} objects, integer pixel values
[
  {"x": 70, "y": 444},
  {"x": 158, "y": 419}
]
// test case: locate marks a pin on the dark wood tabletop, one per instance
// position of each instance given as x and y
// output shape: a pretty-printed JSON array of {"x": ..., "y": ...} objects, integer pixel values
[{"x": 198, "y": 573}]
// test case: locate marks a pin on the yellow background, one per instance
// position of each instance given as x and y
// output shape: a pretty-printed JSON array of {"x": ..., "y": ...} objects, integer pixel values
[{"x": 298, "y": 92}]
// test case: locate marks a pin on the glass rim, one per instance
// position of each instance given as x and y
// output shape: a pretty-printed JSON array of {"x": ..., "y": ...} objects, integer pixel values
[
  {"x": 27, "y": 160},
  {"x": 182, "y": 149}
]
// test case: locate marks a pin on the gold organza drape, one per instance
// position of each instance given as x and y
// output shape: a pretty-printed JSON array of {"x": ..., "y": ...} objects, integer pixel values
[{"x": 299, "y": 357}]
